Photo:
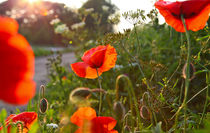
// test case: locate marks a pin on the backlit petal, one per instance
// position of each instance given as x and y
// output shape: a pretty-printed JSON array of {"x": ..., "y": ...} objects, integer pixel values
[
  {"x": 198, "y": 22},
  {"x": 8, "y": 25},
  {"x": 195, "y": 13},
  {"x": 107, "y": 122},
  {"x": 27, "y": 118},
  {"x": 94, "y": 57},
  {"x": 91, "y": 73},
  {"x": 80, "y": 68},
  {"x": 109, "y": 59},
  {"x": 82, "y": 114},
  {"x": 17, "y": 69}
]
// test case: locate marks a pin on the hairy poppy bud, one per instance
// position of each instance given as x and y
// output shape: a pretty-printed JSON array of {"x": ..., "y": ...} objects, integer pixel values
[
  {"x": 119, "y": 110},
  {"x": 144, "y": 112},
  {"x": 79, "y": 94},
  {"x": 43, "y": 105},
  {"x": 192, "y": 71}
]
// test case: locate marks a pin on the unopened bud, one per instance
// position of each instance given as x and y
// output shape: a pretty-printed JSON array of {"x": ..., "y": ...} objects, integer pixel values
[
  {"x": 79, "y": 94},
  {"x": 43, "y": 105},
  {"x": 144, "y": 112},
  {"x": 119, "y": 110},
  {"x": 192, "y": 71}
]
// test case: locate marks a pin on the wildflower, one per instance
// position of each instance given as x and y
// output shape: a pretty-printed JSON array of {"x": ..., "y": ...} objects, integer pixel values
[
  {"x": 26, "y": 118},
  {"x": 89, "y": 10},
  {"x": 101, "y": 59},
  {"x": 77, "y": 25},
  {"x": 62, "y": 28},
  {"x": 86, "y": 119},
  {"x": 195, "y": 13},
  {"x": 52, "y": 125},
  {"x": 55, "y": 21},
  {"x": 17, "y": 64},
  {"x": 105, "y": 8}
]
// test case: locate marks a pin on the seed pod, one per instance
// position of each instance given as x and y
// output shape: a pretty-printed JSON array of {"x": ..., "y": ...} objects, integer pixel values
[
  {"x": 119, "y": 110},
  {"x": 43, "y": 105},
  {"x": 79, "y": 94},
  {"x": 192, "y": 71},
  {"x": 144, "y": 112}
]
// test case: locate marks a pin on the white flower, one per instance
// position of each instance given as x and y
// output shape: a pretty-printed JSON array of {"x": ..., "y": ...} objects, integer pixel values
[
  {"x": 52, "y": 125},
  {"x": 77, "y": 25},
  {"x": 89, "y": 10},
  {"x": 105, "y": 8},
  {"x": 54, "y": 21},
  {"x": 129, "y": 65},
  {"x": 62, "y": 28}
]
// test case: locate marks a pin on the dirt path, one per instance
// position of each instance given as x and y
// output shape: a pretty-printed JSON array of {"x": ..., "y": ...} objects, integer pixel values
[{"x": 40, "y": 76}]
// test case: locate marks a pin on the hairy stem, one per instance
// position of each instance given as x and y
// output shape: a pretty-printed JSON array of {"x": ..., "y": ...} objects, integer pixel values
[
  {"x": 101, "y": 95},
  {"x": 187, "y": 79}
]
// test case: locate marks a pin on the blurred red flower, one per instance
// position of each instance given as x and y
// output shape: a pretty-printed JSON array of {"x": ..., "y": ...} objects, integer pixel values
[
  {"x": 195, "y": 13},
  {"x": 17, "y": 64},
  {"x": 101, "y": 58},
  {"x": 26, "y": 118},
  {"x": 86, "y": 119}
]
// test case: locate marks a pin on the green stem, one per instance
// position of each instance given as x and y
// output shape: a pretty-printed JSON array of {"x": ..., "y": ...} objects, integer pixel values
[
  {"x": 137, "y": 61},
  {"x": 187, "y": 79},
  {"x": 132, "y": 96},
  {"x": 207, "y": 95},
  {"x": 100, "y": 100}
]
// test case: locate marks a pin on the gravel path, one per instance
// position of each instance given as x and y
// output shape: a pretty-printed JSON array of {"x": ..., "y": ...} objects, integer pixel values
[{"x": 40, "y": 77}]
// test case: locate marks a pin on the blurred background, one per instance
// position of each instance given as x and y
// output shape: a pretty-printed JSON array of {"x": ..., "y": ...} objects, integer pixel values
[{"x": 34, "y": 17}]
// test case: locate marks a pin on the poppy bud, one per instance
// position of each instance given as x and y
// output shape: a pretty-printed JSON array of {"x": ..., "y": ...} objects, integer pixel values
[
  {"x": 119, "y": 110},
  {"x": 79, "y": 94},
  {"x": 43, "y": 105},
  {"x": 144, "y": 112},
  {"x": 192, "y": 71},
  {"x": 141, "y": 102}
]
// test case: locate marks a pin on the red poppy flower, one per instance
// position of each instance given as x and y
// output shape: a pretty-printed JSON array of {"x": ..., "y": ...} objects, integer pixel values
[
  {"x": 87, "y": 120},
  {"x": 101, "y": 58},
  {"x": 195, "y": 13},
  {"x": 17, "y": 64},
  {"x": 26, "y": 118}
]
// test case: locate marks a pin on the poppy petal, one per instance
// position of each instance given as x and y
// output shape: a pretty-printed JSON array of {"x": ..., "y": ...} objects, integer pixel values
[
  {"x": 198, "y": 22},
  {"x": 94, "y": 57},
  {"x": 164, "y": 8},
  {"x": 82, "y": 114},
  {"x": 91, "y": 73},
  {"x": 109, "y": 59},
  {"x": 107, "y": 122},
  {"x": 82, "y": 69},
  {"x": 79, "y": 68},
  {"x": 16, "y": 83},
  {"x": 97, "y": 58},
  {"x": 113, "y": 131},
  {"x": 8, "y": 25},
  {"x": 195, "y": 12},
  {"x": 28, "y": 118}
]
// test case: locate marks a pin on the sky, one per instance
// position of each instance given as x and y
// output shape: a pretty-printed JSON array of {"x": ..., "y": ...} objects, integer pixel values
[{"x": 123, "y": 5}]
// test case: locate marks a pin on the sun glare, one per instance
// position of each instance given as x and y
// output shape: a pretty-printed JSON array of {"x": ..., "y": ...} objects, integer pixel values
[{"x": 32, "y": 1}]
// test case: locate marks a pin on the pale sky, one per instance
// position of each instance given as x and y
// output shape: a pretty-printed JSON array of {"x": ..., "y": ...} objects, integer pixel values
[{"x": 123, "y": 5}]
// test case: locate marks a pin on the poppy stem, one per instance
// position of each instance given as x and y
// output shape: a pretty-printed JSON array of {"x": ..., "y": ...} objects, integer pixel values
[
  {"x": 187, "y": 79},
  {"x": 100, "y": 100}
]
